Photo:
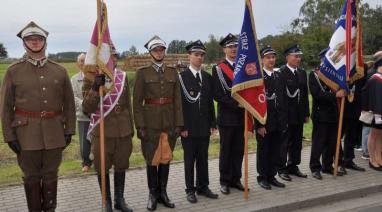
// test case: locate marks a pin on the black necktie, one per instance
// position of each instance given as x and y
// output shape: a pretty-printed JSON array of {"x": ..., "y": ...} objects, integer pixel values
[
  {"x": 233, "y": 65},
  {"x": 198, "y": 78}
]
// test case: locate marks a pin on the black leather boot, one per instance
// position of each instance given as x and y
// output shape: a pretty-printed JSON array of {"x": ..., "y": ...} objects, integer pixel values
[
  {"x": 49, "y": 195},
  {"x": 108, "y": 204},
  {"x": 119, "y": 189},
  {"x": 163, "y": 178},
  {"x": 33, "y": 194},
  {"x": 152, "y": 182}
]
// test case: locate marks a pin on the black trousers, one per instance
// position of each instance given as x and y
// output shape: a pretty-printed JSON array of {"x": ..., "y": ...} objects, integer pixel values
[
  {"x": 196, "y": 154},
  {"x": 324, "y": 137},
  {"x": 291, "y": 148},
  {"x": 268, "y": 154},
  {"x": 352, "y": 130},
  {"x": 231, "y": 154}
]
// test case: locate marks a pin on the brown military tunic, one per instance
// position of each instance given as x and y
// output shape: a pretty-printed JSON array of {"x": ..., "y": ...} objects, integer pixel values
[
  {"x": 34, "y": 87},
  {"x": 37, "y": 88},
  {"x": 157, "y": 119},
  {"x": 118, "y": 128}
]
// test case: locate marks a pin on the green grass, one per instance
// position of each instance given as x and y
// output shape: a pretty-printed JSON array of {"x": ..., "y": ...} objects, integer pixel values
[{"x": 71, "y": 165}]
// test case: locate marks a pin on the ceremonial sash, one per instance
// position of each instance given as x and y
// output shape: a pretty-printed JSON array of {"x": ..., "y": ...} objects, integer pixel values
[
  {"x": 377, "y": 76},
  {"x": 229, "y": 73},
  {"x": 109, "y": 101},
  {"x": 227, "y": 70}
]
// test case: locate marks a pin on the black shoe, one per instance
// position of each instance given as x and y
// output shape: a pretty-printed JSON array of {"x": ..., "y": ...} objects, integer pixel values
[
  {"x": 377, "y": 168},
  {"x": 238, "y": 186},
  {"x": 191, "y": 197},
  {"x": 342, "y": 170},
  {"x": 264, "y": 184},
  {"x": 224, "y": 189},
  {"x": 317, "y": 175},
  {"x": 276, "y": 183},
  {"x": 119, "y": 188},
  {"x": 208, "y": 193},
  {"x": 352, "y": 165},
  {"x": 298, "y": 173},
  {"x": 285, "y": 177}
]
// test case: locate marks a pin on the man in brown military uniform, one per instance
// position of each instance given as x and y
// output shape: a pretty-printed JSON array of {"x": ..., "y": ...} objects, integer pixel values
[
  {"x": 158, "y": 118},
  {"x": 38, "y": 117},
  {"x": 119, "y": 130}
]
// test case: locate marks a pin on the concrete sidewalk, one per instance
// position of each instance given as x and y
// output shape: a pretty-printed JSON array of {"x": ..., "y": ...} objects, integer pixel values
[{"x": 82, "y": 193}]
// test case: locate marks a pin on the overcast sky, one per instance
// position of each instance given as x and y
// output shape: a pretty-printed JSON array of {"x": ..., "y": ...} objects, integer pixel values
[{"x": 133, "y": 22}]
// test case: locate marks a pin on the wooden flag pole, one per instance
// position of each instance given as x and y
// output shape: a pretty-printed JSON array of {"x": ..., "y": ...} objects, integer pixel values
[
  {"x": 339, "y": 133},
  {"x": 246, "y": 155},
  {"x": 101, "y": 124},
  {"x": 348, "y": 48}
]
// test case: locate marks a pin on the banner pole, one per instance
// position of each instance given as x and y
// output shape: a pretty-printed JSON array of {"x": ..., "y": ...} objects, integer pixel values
[
  {"x": 348, "y": 42},
  {"x": 246, "y": 155},
  {"x": 101, "y": 124},
  {"x": 339, "y": 133}
]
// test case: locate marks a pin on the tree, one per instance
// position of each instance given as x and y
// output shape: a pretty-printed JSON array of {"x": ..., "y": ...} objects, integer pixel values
[
  {"x": 317, "y": 13},
  {"x": 372, "y": 29},
  {"x": 279, "y": 43},
  {"x": 214, "y": 50},
  {"x": 177, "y": 47},
  {"x": 3, "y": 51},
  {"x": 131, "y": 52}
]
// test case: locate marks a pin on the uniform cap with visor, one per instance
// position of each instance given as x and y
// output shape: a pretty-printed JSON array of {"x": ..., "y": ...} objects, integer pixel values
[{"x": 32, "y": 29}]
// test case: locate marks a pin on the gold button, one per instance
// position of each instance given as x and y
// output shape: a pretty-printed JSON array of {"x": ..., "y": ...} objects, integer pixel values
[
  {"x": 42, "y": 77},
  {"x": 19, "y": 122},
  {"x": 43, "y": 88},
  {"x": 45, "y": 101}
]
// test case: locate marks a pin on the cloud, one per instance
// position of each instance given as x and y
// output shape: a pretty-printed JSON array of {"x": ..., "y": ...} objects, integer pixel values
[{"x": 133, "y": 22}]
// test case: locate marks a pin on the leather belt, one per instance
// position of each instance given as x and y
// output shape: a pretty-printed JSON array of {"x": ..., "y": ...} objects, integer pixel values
[
  {"x": 42, "y": 114},
  {"x": 159, "y": 101}
]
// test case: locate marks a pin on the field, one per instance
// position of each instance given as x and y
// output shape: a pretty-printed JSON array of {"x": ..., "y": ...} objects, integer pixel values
[{"x": 71, "y": 165}]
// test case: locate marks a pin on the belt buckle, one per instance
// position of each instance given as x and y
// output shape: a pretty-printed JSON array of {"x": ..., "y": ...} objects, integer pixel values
[
  {"x": 161, "y": 101},
  {"x": 43, "y": 114}
]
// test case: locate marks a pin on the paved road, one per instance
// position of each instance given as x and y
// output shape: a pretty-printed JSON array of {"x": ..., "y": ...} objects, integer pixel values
[{"x": 82, "y": 193}]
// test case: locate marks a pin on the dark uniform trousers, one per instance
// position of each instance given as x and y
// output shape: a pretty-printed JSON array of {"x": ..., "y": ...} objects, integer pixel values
[
  {"x": 230, "y": 121},
  {"x": 40, "y": 164},
  {"x": 269, "y": 147},
  {"x": 298, "y": 110},
  {"x": 268, "y": 154},
  {"x": 325, "y": 123},
  {"x": 352, "y": 130},
  {"x": 117, "y": 153},
  {"x": 199, "y": 119},
  {"x": 196, "y": 154},
  {"x": 231, "y": 154},
  {"x": 352, "y": 127},
  {"x": 291, "y": 148},
  {"x": 323, "y": 143}
]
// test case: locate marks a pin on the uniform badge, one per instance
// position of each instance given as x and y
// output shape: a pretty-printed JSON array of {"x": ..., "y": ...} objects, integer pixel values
[{"x": 192, "y": 93}]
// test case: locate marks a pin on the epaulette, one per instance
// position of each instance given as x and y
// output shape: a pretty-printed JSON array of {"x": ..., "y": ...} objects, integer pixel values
[
  {"x": 54, "y": 62},
  {"x": 143, "y": 67},
  {"x": 170, "y": 67},
  {"x": 57, "y": 64},
  {"x": 21, "y": 60}
]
